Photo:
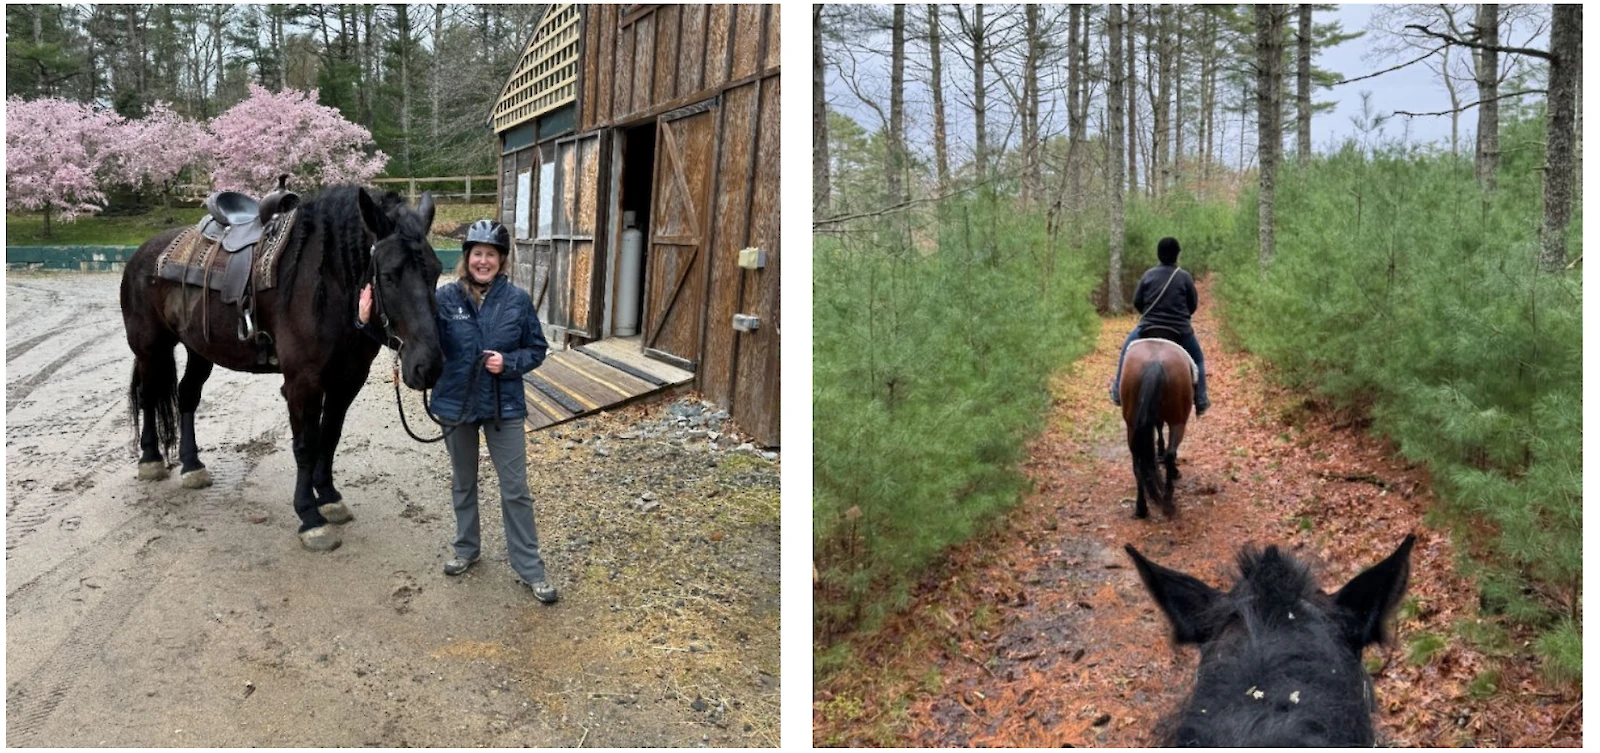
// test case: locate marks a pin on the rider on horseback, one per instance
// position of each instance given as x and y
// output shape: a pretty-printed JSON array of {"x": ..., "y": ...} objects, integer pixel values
[{"x": 1166, "y": 298}]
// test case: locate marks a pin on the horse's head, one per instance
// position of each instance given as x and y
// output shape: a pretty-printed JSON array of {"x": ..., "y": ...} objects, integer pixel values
[
  {"x": 1280, "y": 660},
  {"x": 405, "y": 274}
]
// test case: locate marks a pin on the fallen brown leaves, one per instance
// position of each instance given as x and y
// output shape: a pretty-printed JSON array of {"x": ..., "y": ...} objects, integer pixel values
[{"x": 1039, "y": 634}]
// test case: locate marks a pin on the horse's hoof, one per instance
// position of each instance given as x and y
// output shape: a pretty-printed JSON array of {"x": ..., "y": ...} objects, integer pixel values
[
  {"x": 197, "y": 479},
  {"x": 154, "y": 470},
  {"x": 335, "y": 512},
  {"x": 321, "y": 539}
]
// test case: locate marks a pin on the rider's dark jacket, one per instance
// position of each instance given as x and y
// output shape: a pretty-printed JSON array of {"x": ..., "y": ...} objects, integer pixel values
[
  {"x": 506, "y": 322},
  {"x": 1175, "y": 306}
]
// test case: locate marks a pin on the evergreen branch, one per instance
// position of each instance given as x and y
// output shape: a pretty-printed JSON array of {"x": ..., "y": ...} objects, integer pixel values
[
  {"x": 1449, "y": 40},
  {"x": 1425, "y": 56},
  {"x": 1471, "y": 105}
]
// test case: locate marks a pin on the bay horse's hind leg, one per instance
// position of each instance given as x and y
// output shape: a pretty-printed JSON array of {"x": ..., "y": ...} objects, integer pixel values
[
  {"x": 1140, "y": 509},
  {"x": 336, "y": 403},
  {"x": 1172, "y": 451},
  {"x": 195, "y": 374}
]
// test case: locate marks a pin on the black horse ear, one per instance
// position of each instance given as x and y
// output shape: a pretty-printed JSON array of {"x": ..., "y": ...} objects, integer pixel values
[
  {"x": 1370, "y": 596},
  {"x": 376, "y": 221},
  {"x": 1183, "y": 598},
  {"x": 425, "y": 209}
]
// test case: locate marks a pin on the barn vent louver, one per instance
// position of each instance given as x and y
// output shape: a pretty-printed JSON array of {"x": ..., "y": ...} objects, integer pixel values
[{"x": 547, "y": 76}]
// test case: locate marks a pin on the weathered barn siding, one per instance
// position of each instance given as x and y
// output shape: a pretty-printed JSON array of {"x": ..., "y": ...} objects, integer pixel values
[{"x": 704, "y": 79}]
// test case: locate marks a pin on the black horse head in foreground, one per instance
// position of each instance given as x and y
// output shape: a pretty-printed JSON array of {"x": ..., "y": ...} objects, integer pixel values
[{"x": 1280, "y": 661}]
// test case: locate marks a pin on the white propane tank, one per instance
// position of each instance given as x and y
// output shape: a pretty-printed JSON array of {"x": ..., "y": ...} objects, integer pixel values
[{"x": 631, "y": 273}]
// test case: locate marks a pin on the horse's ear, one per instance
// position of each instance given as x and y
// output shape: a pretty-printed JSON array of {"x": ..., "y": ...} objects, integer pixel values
[
  {"x": 1183, "y": 598},
  {"x": 1369, "y": 597},
  {"x": 425, "y": 209},
  {"x": 376, "y": 221}
]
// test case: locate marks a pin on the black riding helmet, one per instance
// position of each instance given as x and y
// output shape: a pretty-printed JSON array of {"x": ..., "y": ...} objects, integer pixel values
[
  {"x": 490, "y": 232},
  {"x": 1166, "y": 250}
]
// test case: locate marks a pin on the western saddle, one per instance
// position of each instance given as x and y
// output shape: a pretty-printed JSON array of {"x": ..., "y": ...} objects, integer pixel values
[{"x": 236, "y": 223}]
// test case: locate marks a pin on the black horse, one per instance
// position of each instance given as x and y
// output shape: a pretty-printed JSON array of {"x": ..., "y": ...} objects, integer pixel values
[
  {"x": 340, "y": 240},
  {"x": 1280, "y": 661}
]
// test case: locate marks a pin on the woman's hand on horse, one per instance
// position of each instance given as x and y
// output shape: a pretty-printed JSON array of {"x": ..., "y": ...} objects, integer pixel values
[
  {"x": 364, "y": 308},
  {"x": 496, "y": 362}
]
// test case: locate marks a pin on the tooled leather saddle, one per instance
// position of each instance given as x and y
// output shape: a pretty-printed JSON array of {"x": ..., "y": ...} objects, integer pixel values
[{"x": 234, "y": 250}]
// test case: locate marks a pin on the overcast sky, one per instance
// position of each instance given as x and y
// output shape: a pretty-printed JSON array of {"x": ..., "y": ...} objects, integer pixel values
[{"x": 1414, "y": 88}]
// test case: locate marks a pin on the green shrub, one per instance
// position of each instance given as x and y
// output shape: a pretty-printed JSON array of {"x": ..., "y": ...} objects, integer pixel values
[
  {"x": 931, "y": 361},
  {"x": 1398, "y": 290}
]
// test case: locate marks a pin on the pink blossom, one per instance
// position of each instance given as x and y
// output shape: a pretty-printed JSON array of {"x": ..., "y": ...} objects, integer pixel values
[
  {"x": 55, "y": 152},
  {"x": 288, "y": 132},
  {"x": 152, "y": 151}
]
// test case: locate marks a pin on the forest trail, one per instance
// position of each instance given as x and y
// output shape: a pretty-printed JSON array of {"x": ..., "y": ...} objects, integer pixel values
[{"x": 1038, "y": 632}]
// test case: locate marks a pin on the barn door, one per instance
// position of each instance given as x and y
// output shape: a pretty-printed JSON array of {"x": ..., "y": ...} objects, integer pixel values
[
  {"x": 576, "y": 261},
  {"x": 675, "y": 284}
]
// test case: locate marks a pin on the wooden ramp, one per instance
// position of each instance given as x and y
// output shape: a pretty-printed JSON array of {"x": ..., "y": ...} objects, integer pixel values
[{"x": 594, "y": 377}]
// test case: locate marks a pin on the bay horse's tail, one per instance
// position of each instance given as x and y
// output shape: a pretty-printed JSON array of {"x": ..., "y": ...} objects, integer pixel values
[
  {"x": 154, "y": 386},
  {"x": 1146, "y": 422}
]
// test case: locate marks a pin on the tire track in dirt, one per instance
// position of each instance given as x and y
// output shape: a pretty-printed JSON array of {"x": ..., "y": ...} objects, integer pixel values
[
  {"x": 32, "y": 701},
  {"x": 65, "y": 569},
  {"x": 19, "y": 349},
  {"x": 16, "y": 393}
]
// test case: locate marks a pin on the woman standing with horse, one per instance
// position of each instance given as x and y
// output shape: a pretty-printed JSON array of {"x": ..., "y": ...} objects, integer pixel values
[{"x": 490, "y": 335}]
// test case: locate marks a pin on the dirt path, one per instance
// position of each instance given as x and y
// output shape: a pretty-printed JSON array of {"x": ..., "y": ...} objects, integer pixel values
[
  {"x": 141, "y": 614},
  {"x": 1040, "y": 634}
]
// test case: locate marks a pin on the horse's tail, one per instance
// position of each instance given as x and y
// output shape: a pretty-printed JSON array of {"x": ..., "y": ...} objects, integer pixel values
[
  {"x": 155, "y": 386},
  {"x": 1146, "y": 422}
]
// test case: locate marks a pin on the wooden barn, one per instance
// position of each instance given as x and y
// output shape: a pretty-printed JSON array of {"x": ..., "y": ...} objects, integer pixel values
[{"x": 665, "y": 115}]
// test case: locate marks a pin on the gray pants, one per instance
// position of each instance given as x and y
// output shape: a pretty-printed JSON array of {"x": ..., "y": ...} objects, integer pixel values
[{"x": 508, "y": 448}]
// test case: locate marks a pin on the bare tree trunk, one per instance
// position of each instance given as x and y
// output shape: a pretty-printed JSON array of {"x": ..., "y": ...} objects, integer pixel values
[
  {"x": 402, "y": 28},
  {"x": 1269, "y": 111},
  {"x": 1208, "y": 96},
  {"x": 1488, "y": 151},
  {"x": 1302, "y": 63},
  {"x": 1075, "y": 74},
  {"x": 979, "y": 106},
  {"x": 1566, "y": 47},
  {"x": 1030, "y": 105},
  {"x": 434, "y": 87},
  {"x": 1114, "y": 102},
  {"x": 820, "y": 189},
  {"x": 1162, "y": 135},
  {"x": 1179, "y": 119},
  {"x": 1133, "y": 99},
  {"x": 941, "y": 152},
  {"x": 896, "y": 165}
]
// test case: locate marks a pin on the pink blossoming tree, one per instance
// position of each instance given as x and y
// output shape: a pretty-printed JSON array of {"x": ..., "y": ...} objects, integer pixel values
[
  {"x": 288, "y": 132},
  {"x": 56, "y": 151},
  {"x": 152, "y": 152}
]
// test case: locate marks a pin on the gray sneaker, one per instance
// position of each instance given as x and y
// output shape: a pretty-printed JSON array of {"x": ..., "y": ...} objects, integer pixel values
[
  {"x": 542, "y": 591},
  {"x": 458, "y": 565}
]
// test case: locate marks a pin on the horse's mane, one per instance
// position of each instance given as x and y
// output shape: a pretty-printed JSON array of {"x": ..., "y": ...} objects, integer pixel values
[
  {"x": 1282, "y": 640},
  {"x": 333, "y": 218}
]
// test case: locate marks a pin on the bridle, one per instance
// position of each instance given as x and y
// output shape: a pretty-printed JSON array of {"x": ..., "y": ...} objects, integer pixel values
[{"x": 398, "y": 344}]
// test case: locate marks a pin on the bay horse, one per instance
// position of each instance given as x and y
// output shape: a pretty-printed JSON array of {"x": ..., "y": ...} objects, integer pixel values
[
  {"x": 1156, "y": 391},
  {"x": 340, "y": 240},
  {"x": 1280, "y": 661}
]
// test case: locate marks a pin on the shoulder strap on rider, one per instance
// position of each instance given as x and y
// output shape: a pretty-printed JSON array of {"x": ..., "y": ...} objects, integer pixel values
[{"x": 1175, "y": 270}]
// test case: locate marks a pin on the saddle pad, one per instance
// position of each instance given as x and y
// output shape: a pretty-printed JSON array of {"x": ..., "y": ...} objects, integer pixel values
[
  {"x": 1194, "y": 370},
  {"x": 194, "y": 259}
]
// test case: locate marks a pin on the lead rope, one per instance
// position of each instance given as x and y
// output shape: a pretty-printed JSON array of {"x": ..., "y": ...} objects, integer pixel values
[{"x": 479, "y": 366}]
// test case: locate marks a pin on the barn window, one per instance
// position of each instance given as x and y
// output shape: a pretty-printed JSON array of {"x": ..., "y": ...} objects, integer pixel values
[{"x": 547, "y": 76}]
